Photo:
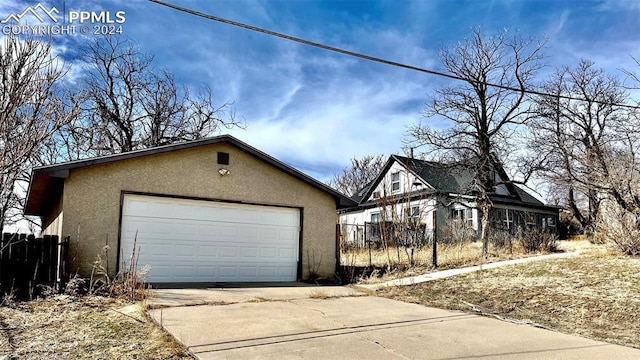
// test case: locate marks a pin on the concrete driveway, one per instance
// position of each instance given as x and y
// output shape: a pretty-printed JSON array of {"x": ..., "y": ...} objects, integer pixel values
[{"x": 307, "y": 322}]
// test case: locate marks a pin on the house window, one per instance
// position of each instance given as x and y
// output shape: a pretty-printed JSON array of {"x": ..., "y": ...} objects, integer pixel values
[
  {"x": 375, "y": 217},
  {"x": 395, "y": 182},
  {"x": 530, "y": 219},
  {"x": 412, "y": 213},
  {"x": 468, "y": 217},
  {"x": 376, "y": 194},
  {"x": 548, "y": 222},
  {"x": 508, "y": 218},
  {"x": 415, "y": 212},
  {"x": 464, "y": 215}
]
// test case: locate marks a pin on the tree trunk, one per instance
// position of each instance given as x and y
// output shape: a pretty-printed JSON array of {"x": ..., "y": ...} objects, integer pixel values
[{"x": 485, "y": 209}]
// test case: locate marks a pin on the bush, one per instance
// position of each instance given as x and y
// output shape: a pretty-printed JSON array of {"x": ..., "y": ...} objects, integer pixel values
[
  {"x": 619, "y": 229},
  {"x": 456, "y": 232},
  {"x": 501, "y": 239},
  {"x": 535, "y": 240}
]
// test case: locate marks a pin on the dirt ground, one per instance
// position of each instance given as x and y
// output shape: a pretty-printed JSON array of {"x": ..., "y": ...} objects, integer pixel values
[
  {"x": 595, "y": 294},
  {"x": 65, "y": 327}
]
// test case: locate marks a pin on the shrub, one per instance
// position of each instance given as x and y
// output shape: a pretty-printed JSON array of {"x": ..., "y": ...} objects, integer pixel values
[
  {"x": 501, "y": 239},
  {"x": 619, "y": 229},
  {"x": 534, "y": 240}
]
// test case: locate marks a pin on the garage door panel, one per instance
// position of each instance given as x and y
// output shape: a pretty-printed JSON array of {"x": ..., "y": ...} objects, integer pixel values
[
  {"x": 206, "y": 272},
  {"x": 182, "y": 271},
  {"x": 286, "y": 253},
  {"x": 249, "y": 271},
  {"x": 249, "y": 252},
  {"x": 268, "y": 252},
  {"x": 192, "y": 240},
  {"x": 207, "y": 251}
]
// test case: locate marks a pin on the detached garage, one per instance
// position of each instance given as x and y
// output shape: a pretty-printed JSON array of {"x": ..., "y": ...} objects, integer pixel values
[{"x": 212, "y": 210}]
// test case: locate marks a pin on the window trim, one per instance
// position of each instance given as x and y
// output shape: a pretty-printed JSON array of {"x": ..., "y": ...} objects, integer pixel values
[
  {"x": 395, "y": 182},
  {"x": 509, "y": 220},
  {"x": 377, "y": 215}
]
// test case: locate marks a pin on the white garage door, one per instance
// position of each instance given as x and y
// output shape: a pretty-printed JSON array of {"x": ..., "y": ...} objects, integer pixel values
[{"x": 204, "y": 241}]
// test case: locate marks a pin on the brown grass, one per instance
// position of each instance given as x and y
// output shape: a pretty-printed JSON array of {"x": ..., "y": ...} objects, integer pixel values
[
  {"x": 65, "y": 327},
  {"x": 595, "y": 295},
  {"x": 449, "y": 257}
]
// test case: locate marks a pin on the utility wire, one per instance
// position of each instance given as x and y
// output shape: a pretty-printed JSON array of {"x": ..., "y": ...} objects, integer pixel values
[{"x": 373, "y": 58}]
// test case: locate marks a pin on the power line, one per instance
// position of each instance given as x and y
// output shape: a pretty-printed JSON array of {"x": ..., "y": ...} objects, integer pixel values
[{"x": 373, "y": 58}]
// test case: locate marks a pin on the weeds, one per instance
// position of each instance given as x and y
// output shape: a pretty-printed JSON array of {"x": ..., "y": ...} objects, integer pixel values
[
  {"x": 127, "y": 284},
  {"x": 313, "y": 264},
  {"x": 536, "y": 240},
  {"x": 319, "y": 294},
  {"x": 620, "y": 229}
]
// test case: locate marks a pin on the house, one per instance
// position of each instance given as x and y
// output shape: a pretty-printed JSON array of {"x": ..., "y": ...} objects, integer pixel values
[
  {"x": 210, "y": 210},
  {"x": 433, "y": 198}
]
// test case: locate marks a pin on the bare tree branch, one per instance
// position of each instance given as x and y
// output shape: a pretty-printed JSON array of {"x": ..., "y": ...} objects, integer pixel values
[
  {"x": 481, "y": 115},
  {"x": 31, "y": 111}
]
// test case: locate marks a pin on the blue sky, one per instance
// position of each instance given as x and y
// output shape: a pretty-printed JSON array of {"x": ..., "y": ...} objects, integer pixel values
[{"x": 314, "y": 109}]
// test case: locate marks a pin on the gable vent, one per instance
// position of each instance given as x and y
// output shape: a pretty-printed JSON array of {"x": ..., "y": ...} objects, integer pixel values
[{"x": 223, "y": 158}]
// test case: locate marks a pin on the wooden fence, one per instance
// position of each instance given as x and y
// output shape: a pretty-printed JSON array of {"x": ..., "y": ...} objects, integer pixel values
[{"x": 28, "y": 264}]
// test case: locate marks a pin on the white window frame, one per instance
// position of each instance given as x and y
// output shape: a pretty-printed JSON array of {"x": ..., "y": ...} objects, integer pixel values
[
  {"x": 508, "y": 221},
  {"x": 465, "y": 215},
  {"x": 551, "y": 221},
  {"x": 375, "y": 216},
  {"x": 468, "y": 217},
  {"x": 395, "y": 184}
]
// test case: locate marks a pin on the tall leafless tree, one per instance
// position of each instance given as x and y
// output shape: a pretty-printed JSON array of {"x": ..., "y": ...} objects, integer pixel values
[
  {"x": 31, "y": 111},
  {"x": 579, "y": 138},
  {"x": 129, "y": 104},
  {"x": 482, "y": 117},
  {"x": 361, "y": 172}
]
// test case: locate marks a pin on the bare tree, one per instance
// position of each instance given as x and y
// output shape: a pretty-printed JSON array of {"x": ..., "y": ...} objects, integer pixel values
[
  {"x": 483, "y": 117},
  {"x": 361, "y": 172},
  {"x": 579, "y": 139},
  {"x": 129, "y": 104},
  {"x": 31, "y": 112}
]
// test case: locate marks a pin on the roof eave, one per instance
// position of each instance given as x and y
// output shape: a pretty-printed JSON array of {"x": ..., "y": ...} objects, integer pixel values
[{"x": 42, "y": 175}]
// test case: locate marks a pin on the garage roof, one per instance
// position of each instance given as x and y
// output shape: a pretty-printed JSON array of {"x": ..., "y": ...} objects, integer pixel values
[{"x": 47, "y": 182}]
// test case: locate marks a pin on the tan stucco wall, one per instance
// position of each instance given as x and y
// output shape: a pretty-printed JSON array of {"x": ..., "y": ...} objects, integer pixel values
[{"x": 92, "y": 197}]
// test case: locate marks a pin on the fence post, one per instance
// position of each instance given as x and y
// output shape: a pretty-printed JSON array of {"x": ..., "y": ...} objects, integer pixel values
[
  {"x": 62, "y": 275},
  {"x": 434, "y": 259}
]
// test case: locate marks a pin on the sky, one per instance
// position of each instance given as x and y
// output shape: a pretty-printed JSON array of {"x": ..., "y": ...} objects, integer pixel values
[{"x": 314, "y": 109}]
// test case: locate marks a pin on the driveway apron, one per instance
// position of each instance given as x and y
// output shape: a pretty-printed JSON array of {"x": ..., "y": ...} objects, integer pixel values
[{"x": 339, "y": 323}]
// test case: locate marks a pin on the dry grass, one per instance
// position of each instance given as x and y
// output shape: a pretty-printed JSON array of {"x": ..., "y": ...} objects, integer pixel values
[
  {"x": 596, "y": 295},
  {"x": 449, "y": 257},
  {"x": 65, "y": 327}
]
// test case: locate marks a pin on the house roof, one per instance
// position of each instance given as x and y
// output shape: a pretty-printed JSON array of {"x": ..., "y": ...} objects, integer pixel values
[
  {"x": 443, "y": 178},
  {"x": 449, "y": 179},
  {"x": 48, "y": 181}
]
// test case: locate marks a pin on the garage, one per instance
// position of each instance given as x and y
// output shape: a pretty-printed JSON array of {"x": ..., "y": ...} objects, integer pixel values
[
  {"x": 185, "y": 240},
  {"x": 207, "y": 210}
]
